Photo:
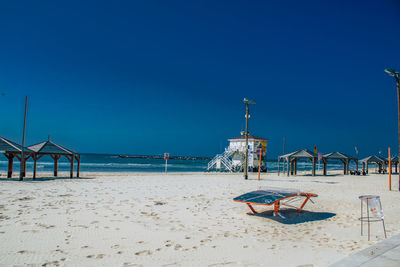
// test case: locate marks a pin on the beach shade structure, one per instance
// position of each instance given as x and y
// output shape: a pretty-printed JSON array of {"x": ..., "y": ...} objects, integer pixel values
[
  {"x": 13, "y": 150},
  {"x": 374, "y": 159},
  {"x": 345, "y": 159},
  {"x": 55, "y": 151},
  {"x": 276, "y": 197},
  {"x": 394, "y": 161},
  {"x": 291, "y": 159}
]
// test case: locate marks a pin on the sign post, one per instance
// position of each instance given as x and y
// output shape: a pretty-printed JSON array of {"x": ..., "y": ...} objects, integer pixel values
[
  {"x": 259, "y": 165},
  {"x": 166, "y": 157}
]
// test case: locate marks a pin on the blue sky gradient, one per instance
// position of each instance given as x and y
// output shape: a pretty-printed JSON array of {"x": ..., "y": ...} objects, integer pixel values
[{"x": 147, "y": 77}]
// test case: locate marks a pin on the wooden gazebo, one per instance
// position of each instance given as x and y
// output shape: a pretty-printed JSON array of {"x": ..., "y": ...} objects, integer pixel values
[
  {"x": 345, "y": 159},
  {"x": 13, "y": 150},
  {"x": 373, "y": 159},
  {"x": 291, "y": 159},
  {"x": 55, "y": 151}
]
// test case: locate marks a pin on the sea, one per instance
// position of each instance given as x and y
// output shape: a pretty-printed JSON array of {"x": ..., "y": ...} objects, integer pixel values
[{"x": 114, "y": 163}]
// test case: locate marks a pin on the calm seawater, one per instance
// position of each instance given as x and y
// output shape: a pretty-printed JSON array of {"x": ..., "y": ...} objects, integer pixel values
[{"x": 113, "y": 163}]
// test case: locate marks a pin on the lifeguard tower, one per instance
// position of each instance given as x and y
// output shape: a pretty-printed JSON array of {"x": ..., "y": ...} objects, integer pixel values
[{"x": 234, "y": 155}]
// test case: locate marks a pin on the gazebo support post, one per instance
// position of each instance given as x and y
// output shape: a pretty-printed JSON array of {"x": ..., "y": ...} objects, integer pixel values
[
  {"x": 324, "y": 162},
  {"x": 284, "y": 166},
  {"x": 34, "y": 166},
  {"x": 295, "y": 167},
  {"x": 78, "y": 158},
  {"x": 23, "y": 173},
  {"x": 344, "y": 167},
  {"x": 288, "y": 169},
  {"x": 56, "y": 158},
  {"x": 10, "y": 164},
  {"x": 292, "y": 167},
  {"x": 72, "y": 166},
  {"x": 313, "y": 166}
]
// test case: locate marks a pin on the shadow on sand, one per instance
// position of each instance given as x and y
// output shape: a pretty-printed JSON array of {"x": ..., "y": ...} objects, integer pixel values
[
  {"x": 44, "y": 179},
  {"x": 294, "y": 217}
]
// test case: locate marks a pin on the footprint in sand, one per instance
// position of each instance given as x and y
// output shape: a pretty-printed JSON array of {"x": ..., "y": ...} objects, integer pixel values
[
  {"x": 128, "y": 264},
  {"x": 51, "y": 263},
  {"x": 143, "y": 252}
]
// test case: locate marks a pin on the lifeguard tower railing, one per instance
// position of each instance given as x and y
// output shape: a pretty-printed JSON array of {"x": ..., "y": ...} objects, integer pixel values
[{"x": 222, "y": 162}]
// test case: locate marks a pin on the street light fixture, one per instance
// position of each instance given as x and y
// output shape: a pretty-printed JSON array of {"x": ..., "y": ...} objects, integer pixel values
[
  {"x": 396, "y": 75},
  {"x": 247, "y": 102}
]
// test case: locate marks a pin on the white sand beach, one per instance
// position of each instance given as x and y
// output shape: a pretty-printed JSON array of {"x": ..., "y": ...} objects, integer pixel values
[{"x": 183, "y": 220}]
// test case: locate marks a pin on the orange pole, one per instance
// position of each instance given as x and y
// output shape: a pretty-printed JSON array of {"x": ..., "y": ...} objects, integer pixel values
[
  {"x": 390, "y": 171},
  {"x": 259, "y": 166}
]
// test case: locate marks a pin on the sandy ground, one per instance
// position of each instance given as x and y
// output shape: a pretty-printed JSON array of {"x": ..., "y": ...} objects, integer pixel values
[{"x": 183, "y": 220}]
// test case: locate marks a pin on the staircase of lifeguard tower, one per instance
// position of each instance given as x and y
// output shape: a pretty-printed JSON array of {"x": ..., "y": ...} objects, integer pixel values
[{"x": 221, "y": 161}]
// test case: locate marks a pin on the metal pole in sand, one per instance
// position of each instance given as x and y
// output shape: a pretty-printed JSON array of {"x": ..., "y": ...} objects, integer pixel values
[
  {"x": 259, "y": 165},
  {"x": 396, "y": 75},
  {"x": 22, "y": 168},
  {"x": 247, "y": 102},
  {"x": 166, "y": 157},
  {"x": 247, "y": 142},
  {"x": 390, "y": 171}
]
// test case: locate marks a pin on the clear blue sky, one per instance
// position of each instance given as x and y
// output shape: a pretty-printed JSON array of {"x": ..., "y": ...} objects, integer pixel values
[{"x": 147, "y": 77}]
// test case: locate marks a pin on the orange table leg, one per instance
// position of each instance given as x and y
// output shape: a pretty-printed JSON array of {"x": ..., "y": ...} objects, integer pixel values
[
  {"x": 304, "y": 203},
  {"x": 251, "y": 208},
  {"x": 276, "y": 207}
]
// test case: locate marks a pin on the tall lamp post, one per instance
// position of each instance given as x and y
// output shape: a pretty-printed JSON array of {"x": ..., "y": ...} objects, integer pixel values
[
  {"x": 396, "y": 75},
  {"x": 247, "y": 102}
]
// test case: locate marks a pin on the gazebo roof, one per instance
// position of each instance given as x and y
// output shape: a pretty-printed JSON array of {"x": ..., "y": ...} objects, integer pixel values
[
  {"x": 304, "y": 153},
  {"x": 373, "y": 159},
  {"x": 393, "y": 159},
  {"x": 337, "y": 155},
  {"x": 10, "y": 146},
  {"x": 48, "y": 147}
]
